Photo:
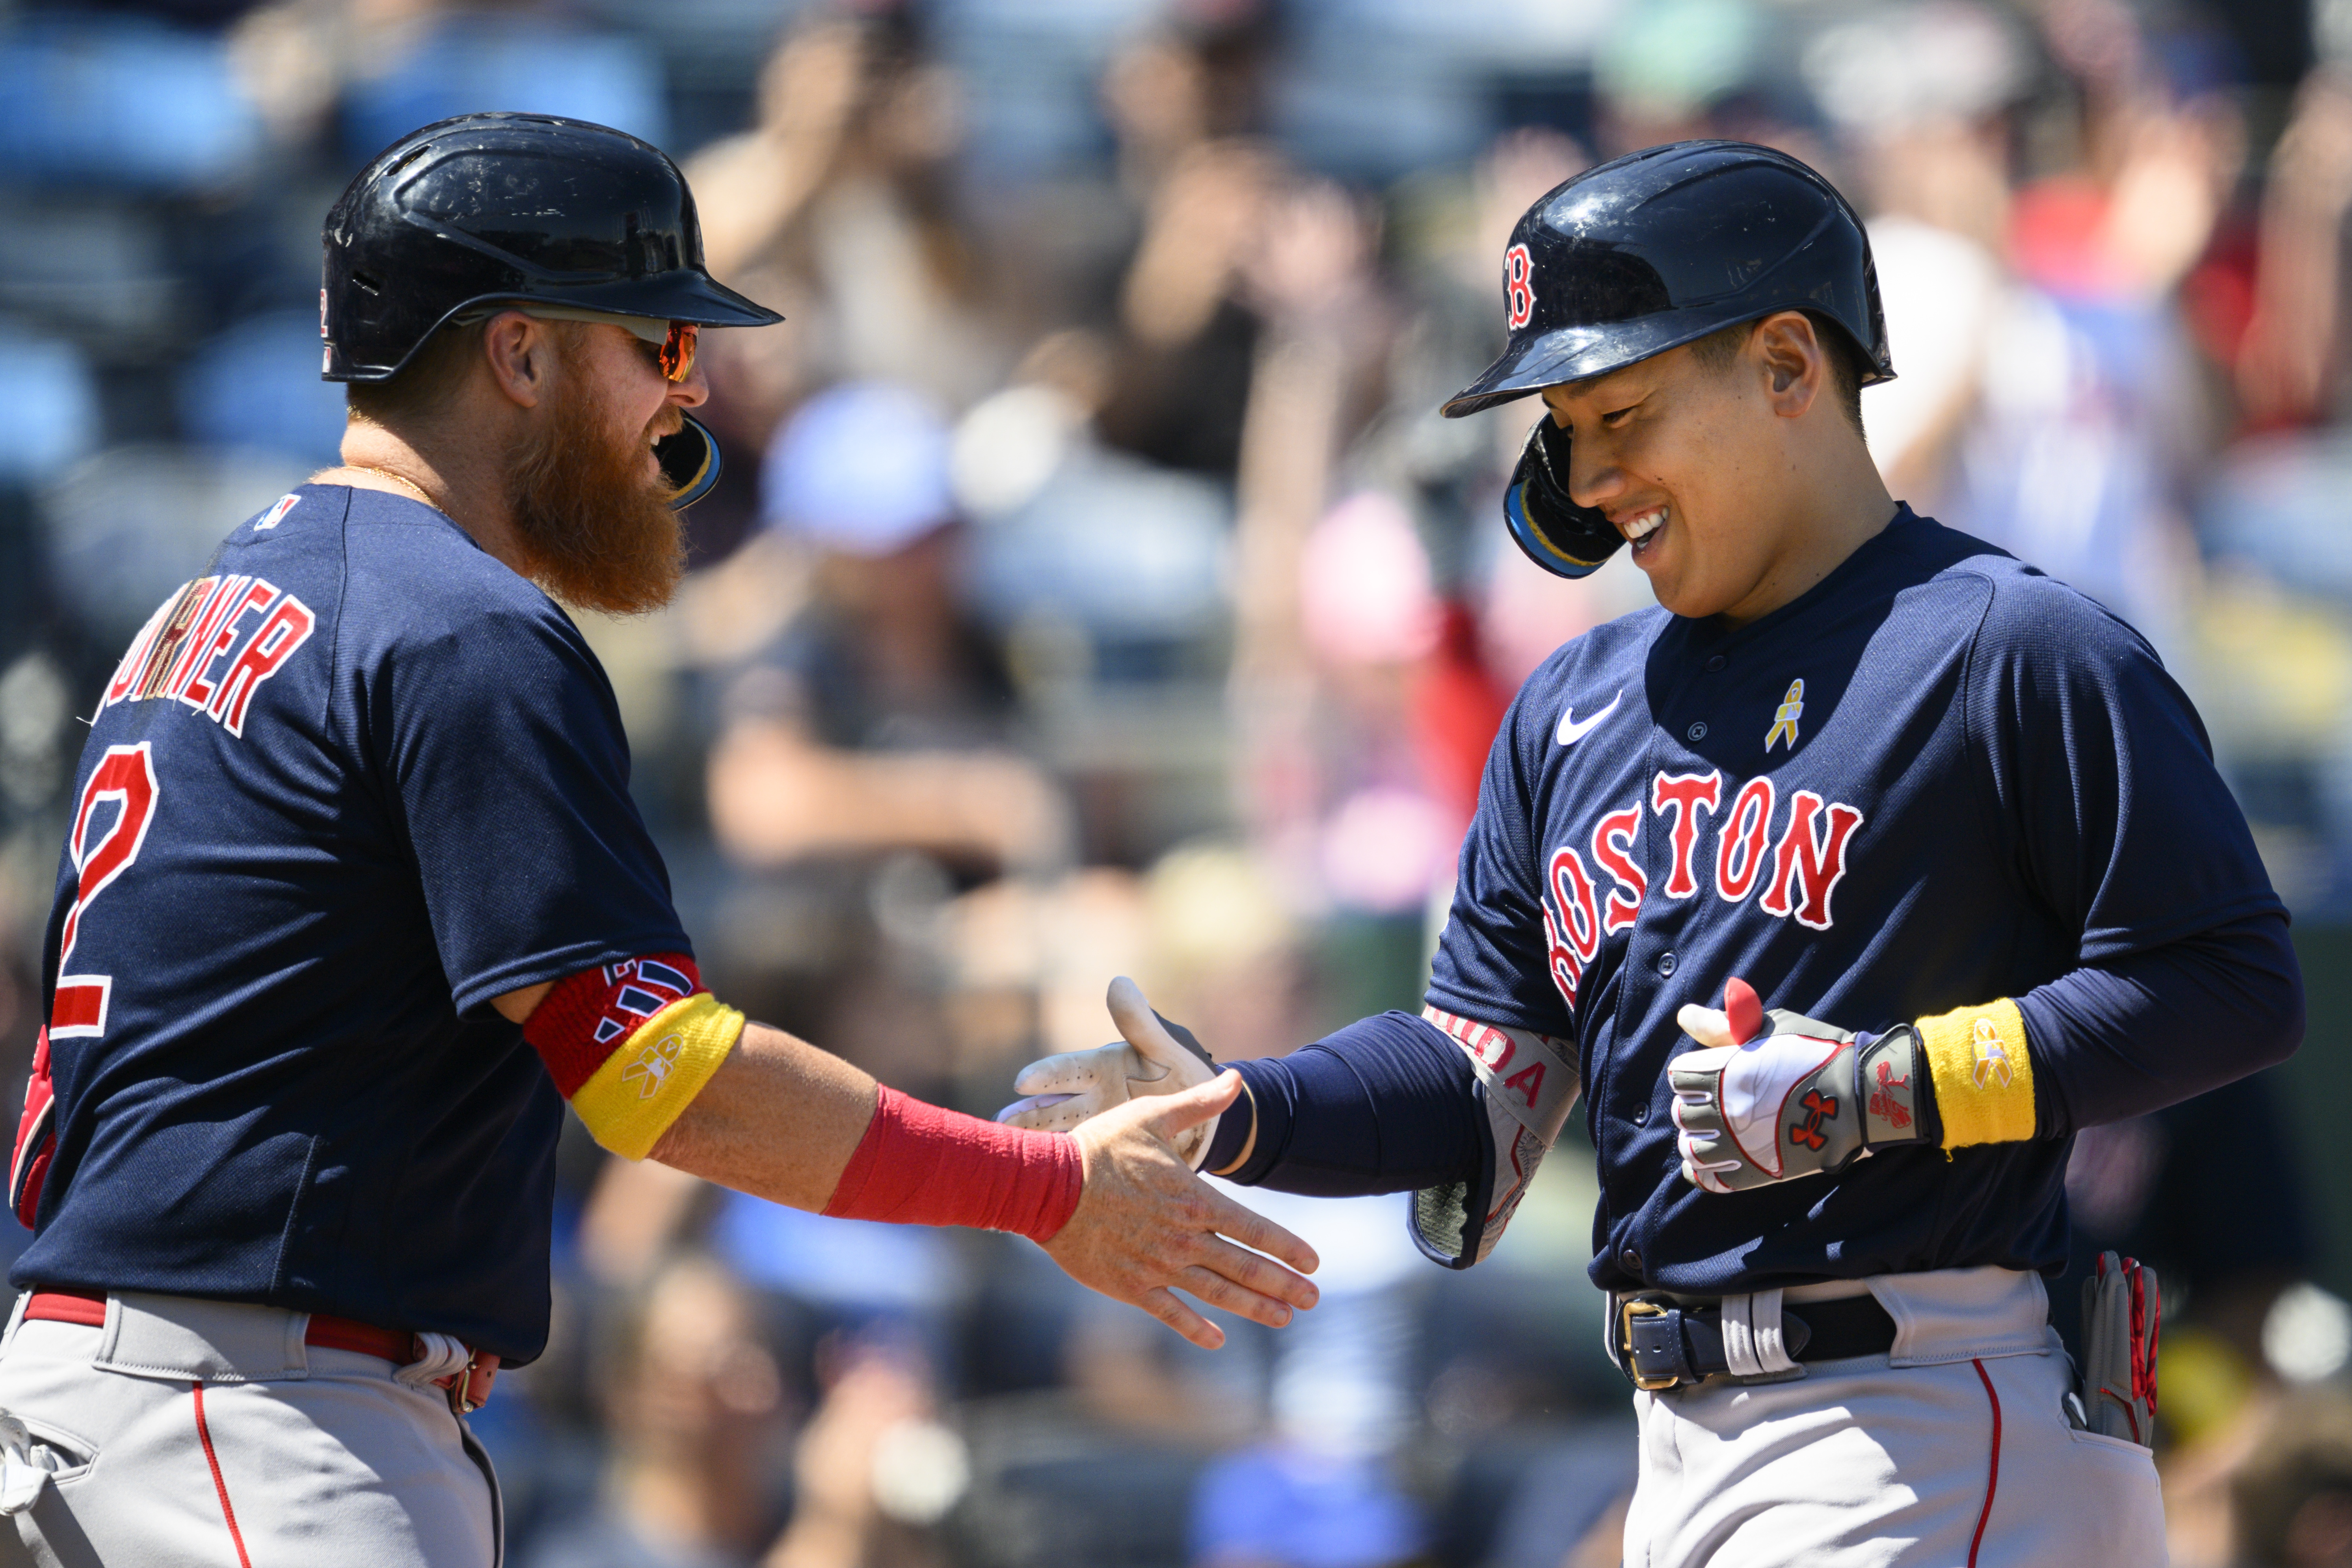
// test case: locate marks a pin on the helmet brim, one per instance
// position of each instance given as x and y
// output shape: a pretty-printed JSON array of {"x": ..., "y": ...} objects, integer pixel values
[
  {"x": 679, "y": 296},
  {"x": 1578, "y": 354}
]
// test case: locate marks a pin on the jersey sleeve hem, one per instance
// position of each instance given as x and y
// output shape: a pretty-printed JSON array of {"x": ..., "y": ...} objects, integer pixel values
[
  {"x": 1503, "y": 1014},
  {"x": 562, "y": 963}
]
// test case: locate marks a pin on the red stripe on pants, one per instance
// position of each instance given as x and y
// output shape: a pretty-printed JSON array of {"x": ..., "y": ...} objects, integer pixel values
[
  {"x": 205, "y": 1436},
  {"x": 1993, "y": 1471}
]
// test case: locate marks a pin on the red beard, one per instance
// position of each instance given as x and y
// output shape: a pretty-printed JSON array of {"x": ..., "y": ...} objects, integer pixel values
[{"x": 598, "y": 533}]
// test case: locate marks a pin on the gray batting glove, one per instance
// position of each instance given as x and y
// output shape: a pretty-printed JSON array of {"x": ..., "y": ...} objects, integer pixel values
[
  {"x": 1776, "y": 1096},
  {"x": 1156, "y": 1058},
  {"x": 2122, "y": 1317}
]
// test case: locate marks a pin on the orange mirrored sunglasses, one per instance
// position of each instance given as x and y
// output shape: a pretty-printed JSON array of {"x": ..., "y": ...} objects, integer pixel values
[{"x": 676, "y": 354}]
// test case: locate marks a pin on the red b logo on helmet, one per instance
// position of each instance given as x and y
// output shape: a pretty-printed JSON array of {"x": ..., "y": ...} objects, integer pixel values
[{"x": 1518, "y": 285}]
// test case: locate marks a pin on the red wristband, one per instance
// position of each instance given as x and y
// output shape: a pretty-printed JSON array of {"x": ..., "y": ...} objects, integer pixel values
[{"x": 918, "y": 1165}]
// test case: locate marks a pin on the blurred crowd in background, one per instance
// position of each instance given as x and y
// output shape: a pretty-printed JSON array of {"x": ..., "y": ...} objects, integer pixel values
[{"x": 1093, "y": 589}]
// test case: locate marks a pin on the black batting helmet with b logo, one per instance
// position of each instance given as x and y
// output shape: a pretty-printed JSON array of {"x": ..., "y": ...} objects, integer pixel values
[{"x": 1665, "y": 246}]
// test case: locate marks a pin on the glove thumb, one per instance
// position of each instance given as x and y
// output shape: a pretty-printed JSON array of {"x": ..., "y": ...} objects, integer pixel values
[{"x": 1148, "y": 1034}]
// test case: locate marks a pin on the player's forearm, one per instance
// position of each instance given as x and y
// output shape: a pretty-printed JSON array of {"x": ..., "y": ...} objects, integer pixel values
[
  {"x": 1387, "y": 1104},
  {"x": 2135, "y": 1033},
  {"x": 779, "y": 1120}
]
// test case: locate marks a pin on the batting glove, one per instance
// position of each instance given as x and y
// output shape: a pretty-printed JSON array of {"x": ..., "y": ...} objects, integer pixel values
[
  {"x": 2123, "y": 1311},
  {"x": 1156, "y": 1058},
  {"x": 1788, "y": 1096}
]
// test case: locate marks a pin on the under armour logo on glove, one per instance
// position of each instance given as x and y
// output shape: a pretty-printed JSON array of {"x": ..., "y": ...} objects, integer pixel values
[{"x": 1773, "y": 1097}]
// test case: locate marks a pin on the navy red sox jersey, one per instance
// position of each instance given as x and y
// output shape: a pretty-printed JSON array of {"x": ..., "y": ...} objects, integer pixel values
[
  {"x": 1936, "y": 779},
  {"x": 346, "y": 787}
]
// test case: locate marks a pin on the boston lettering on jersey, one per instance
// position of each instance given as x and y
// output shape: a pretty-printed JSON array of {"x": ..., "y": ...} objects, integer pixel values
[
  {"x": 1806, "y": 862},
  {"x": 211, "y": 646}
]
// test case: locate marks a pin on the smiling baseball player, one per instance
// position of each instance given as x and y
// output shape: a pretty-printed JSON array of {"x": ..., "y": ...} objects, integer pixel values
[
  {"x": 354, "y": 900},
  {"x": 1938, "y": 832}
]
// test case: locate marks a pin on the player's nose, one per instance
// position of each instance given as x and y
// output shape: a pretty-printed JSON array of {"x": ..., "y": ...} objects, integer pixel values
[
  {"x": 693, "y": 392},
  {"x": 1594, "y": 477}
]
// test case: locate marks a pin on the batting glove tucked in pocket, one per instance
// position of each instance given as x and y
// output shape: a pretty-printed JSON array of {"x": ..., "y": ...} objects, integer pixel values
[
  {"x": 1786, "y": 1096},
  {"x": 1156, "y": 1058}
]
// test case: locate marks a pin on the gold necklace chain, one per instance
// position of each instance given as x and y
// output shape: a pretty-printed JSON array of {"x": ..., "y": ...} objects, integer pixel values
[{"x": 399, "y": 480}]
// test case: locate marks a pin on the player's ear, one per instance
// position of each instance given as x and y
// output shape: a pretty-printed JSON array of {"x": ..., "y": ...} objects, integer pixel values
[
  {"x": 520, "y": 353},
  {"x": 1793, "y": 359}
]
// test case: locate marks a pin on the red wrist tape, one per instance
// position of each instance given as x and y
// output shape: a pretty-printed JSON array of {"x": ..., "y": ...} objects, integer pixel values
[{"x": 918, "y": 1165}]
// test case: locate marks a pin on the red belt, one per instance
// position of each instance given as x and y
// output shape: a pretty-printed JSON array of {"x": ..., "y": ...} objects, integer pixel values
[{"x": 469, "y": 1389}]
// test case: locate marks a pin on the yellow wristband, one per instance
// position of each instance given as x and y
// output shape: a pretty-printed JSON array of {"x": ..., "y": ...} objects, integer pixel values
[
  {"x": 1984, "y": 1074},
  {"x": 630, "y": 1101}
]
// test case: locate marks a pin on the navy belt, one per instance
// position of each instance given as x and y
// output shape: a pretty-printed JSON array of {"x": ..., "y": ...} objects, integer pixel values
[{"x": 1660, "y": 1343}]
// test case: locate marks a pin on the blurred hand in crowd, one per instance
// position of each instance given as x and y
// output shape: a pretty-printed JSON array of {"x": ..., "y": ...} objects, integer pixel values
[
  {"x": 1201, "y": 222},
  {"x": 839, "y": 1520},
  {"x": 2292, "y": 341}
]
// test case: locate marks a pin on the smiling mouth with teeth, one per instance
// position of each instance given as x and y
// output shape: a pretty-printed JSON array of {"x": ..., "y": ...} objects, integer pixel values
[{"x": 1641, "y": 529}]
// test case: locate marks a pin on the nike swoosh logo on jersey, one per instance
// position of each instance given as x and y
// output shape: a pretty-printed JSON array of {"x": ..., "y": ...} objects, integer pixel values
[{"x": 1572, "y": 729}]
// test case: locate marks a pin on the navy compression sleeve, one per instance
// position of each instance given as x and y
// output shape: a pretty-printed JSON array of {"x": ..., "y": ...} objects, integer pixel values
[
  {"x": 1386, "y": 1105},
  {"x": 2131, "y": 1035}
]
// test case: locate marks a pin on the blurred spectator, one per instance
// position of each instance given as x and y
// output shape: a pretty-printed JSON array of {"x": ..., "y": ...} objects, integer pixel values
[
  {"x": 2294, "y": 1495},
  {"x": 1148, "y": 262},
  {"x": 879, "y": 720},
  {"x": 2291, "y": 355},
  {"x": 699, "y": 1421},
  {"x": 872, "y": 1472},
  {"x": 840, "y": 194}
]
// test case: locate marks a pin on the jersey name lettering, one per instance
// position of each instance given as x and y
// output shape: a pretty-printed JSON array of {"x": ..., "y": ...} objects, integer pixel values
[
  {"x": 1798, "y": 869},
  {"x": 211, "y": 646}
]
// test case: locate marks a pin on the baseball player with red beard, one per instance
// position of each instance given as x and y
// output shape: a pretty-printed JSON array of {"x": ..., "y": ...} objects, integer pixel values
[
  {"x": 354, "y": 900},
  {"x": 1938, "y": 833}
]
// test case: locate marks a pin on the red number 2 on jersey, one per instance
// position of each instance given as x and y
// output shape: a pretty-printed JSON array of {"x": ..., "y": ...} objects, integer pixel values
[{"x": 125, "y": 776}]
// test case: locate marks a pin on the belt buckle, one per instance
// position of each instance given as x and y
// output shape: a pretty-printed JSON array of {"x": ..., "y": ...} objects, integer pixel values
[{"x": 1628, "y": 1310}]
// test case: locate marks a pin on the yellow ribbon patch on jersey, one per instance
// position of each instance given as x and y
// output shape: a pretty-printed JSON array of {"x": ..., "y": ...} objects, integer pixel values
[
  {"x": 630, "y": 1101},
  {"x": 1982, "y": 1073},
  {"x": 1784, "y": 720}
]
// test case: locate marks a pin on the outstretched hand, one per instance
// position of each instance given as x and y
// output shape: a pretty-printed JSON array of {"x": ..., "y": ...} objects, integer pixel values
[
  {"x": 1146, "y": 1227},
  {"x": 1152, "y": 1059}
]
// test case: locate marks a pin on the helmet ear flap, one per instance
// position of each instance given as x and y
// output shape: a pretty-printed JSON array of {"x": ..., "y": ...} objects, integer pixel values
[
  {"x": 1561, "y": 537},
  {"x": 689, "y": 462}
]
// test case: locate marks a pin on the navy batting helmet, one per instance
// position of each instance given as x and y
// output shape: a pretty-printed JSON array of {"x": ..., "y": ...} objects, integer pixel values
[{"x": 1644, "y": 254}]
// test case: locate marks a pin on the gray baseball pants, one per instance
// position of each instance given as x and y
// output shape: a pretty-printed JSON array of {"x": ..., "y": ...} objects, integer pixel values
[
  {"x": 1951, "y": 1451},
  {"x": 188, "y": 1434}
]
